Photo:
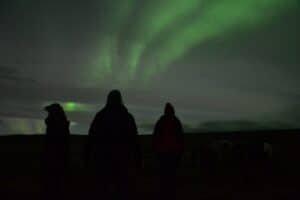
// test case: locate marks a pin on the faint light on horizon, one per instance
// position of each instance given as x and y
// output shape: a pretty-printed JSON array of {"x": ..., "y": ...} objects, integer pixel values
[
  {"x": 25, "y": 126},
  {"x": 72, "y": 106}
]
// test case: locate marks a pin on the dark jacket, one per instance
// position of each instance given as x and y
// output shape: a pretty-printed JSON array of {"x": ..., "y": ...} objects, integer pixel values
[
  {"x": 56, "y": 145},
  {"x": 57, "y": 125},
  {"x": 113, "y": 134}
]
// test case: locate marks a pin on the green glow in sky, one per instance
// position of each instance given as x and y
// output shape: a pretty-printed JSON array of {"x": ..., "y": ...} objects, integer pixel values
[
  {"x": 75, "y": 107},
  {"x": 156, "y": 18},
  {"x": 165, "y": 31},
  {"x": 106, "y": 55},
  {"x": 103, "y": 64},
  {"x": 220, "y": 17},
  {"x": 71, "y": 106},
  {"x": 25, "y": 126}
]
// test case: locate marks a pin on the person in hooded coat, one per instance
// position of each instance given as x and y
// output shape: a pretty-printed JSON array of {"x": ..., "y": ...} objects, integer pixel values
[
  {"x": 56, "y": 152},
  {"x": 168, "y": 147},
  {"x": 113, "y": 149}
]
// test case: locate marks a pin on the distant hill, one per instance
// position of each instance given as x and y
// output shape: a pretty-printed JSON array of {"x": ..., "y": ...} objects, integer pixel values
[{"x": 241, "y": 126}]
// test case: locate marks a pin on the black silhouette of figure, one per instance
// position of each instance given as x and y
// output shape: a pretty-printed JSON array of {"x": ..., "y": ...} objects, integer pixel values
[
  {"x": 168, "y": 146},
  {"x": 56, "y": 148},
  {"x": 113, "y": 149}
]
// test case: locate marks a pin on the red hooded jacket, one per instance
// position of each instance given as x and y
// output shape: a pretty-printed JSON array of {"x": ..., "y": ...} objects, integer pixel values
[{"x": 168, "y": 133}]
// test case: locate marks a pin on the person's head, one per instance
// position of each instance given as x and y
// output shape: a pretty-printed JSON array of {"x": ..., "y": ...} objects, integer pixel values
[
  {"x": 114, "y": 99},
  {"x": 55, "y": 109},
  {"x": 169, "y": 109}
]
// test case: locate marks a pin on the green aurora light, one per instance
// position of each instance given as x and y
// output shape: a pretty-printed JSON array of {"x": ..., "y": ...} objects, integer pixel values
[
  {"x": 75, "y": 107},
  {"x": 220, "y": 17},
  {"x": 165, "y": 31},
  {"x": 153, "y": 21},
  {"x": 72, "y": 106}
]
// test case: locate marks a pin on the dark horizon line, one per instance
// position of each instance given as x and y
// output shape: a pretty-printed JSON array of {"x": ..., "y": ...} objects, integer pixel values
[{"x": 187, "y": 133}]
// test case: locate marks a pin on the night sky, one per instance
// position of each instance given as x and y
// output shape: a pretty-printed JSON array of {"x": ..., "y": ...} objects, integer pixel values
[{"x": 224, "y": 64}]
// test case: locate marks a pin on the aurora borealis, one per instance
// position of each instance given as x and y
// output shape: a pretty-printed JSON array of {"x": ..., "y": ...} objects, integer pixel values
[
  {"x": 219, "y": 18},
  {"x": 216, "y": 60},
  {"x": 182, "y": 25}
]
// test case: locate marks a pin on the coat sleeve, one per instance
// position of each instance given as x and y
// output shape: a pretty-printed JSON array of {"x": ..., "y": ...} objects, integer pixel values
[
  {"x": 180, "y": 131},
  {"x": 156, "y": 132}
]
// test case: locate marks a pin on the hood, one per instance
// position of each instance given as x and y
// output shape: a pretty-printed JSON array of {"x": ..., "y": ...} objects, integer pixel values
[
  {"x": 114, "y": 100},
  {"x": 169, "y": 110},
  {"x": 56, "y": 110}
]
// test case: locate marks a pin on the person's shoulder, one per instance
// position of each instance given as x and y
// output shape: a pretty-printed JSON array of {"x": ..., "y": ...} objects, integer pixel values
[
  {"x": 100, "y": 114},
  {"x": 176, "y": 118},
  {"x": 130, "y": 116},
  {"x": 161, "y": 119}
]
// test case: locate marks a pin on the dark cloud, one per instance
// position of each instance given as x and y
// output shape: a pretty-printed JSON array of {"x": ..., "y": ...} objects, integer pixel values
[
  {"x": 237, "y": 125},
  {"x": 11, "y": 75},
  {"x": 291, "y": 113}
]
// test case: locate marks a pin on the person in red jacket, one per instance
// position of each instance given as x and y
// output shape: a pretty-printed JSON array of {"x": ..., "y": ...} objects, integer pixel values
[{"x": 168, "y": 147}]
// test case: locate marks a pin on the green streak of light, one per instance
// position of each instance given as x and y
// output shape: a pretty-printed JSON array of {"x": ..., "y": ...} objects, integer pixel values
[
  {"x": 134, "y": 58},
  {"x": 106, "y": 53},
  {"x": 221, "y": 17},
  {"x": 75, "y": 107},
  {"x": 24, "y": 126},
  {"x": 71, "y": 106},
  {"x": 156, "y": 18},
  {"x": 105, "y": 61}
]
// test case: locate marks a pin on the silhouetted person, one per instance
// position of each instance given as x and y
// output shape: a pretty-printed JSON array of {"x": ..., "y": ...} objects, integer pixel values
[
  {"x": 168, "y": 146},
  {"x": 113, "y": 149},
  {"x": 55, "y": 157}
]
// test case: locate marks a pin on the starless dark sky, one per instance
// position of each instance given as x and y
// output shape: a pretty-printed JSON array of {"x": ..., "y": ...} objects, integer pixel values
[{"x": 224, "y": 64}]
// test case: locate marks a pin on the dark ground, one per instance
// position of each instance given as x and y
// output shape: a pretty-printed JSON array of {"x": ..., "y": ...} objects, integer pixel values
[{"x": 210, "y": 168}]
